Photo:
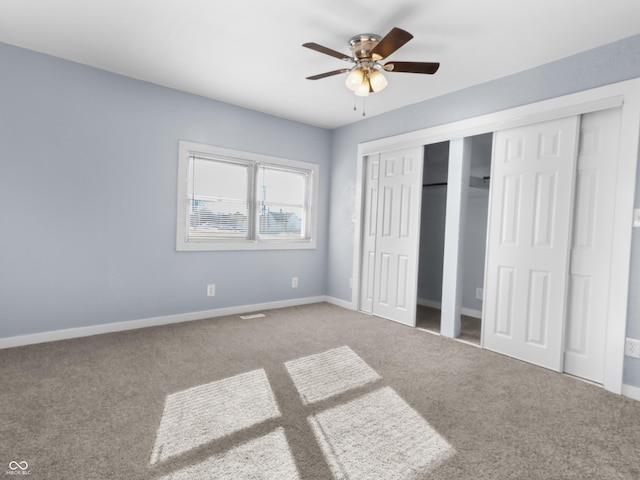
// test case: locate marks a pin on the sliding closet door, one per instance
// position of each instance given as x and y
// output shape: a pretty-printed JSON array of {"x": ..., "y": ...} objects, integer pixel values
[
  {"x": 528, "y": 244},
  {"x": 393, "y": 192},
  {"x": 369, "y": 232},
  {"x": 589, "y": 271}
]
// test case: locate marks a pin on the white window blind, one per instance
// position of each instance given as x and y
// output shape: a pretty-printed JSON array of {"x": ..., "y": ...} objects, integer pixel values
[{"x": 219, "y": 199}]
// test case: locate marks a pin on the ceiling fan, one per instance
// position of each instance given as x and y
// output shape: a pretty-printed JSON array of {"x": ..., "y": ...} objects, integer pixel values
[{"x": 367, "y": 50}]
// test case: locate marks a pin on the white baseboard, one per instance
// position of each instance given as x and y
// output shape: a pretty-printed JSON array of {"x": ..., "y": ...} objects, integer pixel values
[
  {"x": 65, "y": 334},
  {"x": 471, "y": 313},
  {"x": 429, "y": 303},
  {"x": 631, "y": 391},
  {"x": 464, "y": 311},
  {"x": 340, "y": 303}
]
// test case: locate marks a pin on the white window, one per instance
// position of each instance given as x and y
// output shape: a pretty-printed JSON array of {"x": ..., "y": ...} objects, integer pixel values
[{"x": 232, "y": 200}]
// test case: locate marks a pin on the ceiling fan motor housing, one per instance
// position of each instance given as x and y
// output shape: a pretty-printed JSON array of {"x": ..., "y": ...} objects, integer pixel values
[{"x": 361, "y": 45}]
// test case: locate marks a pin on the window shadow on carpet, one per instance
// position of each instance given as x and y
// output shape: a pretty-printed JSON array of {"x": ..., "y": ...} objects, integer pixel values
[{"x": 369, "y": 433}]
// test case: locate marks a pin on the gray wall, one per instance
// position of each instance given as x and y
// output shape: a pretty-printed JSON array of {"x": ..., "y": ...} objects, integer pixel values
[
  {"x": 608, "y": 64},
  {"x": 88, "y": 175}
]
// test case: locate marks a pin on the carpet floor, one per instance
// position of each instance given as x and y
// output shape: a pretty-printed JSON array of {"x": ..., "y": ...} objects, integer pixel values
[{"x": 309, "y": 392}]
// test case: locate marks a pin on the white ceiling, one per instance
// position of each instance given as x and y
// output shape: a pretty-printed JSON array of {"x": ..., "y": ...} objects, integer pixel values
[{"x": 249, "y": 53}]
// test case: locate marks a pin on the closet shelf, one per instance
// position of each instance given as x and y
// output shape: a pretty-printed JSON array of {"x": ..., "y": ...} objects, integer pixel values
[{"x": 476, "y": 182}]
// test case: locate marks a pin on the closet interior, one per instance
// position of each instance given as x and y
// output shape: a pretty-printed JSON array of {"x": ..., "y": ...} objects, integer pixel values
[{"x": 432, "y": 237}]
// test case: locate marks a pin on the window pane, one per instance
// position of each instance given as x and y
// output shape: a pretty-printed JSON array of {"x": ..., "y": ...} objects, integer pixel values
[
  {"x": 281, "y": 222},
  {"x": 281, "y": 186},
  {"x": 218, "y": 219},
  {"x": 219, "y": 204},
  {"x": 282, "y": 199},
  {"x": 219, "y": 179}
]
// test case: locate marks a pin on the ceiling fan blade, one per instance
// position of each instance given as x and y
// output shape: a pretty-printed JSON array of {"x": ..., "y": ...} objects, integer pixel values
[
  {"x": 391, "y": 42},
  {"x": 412, "y": 67},
  {"x": 328, "y": 74},
  {"x": 327, "y": 51}
]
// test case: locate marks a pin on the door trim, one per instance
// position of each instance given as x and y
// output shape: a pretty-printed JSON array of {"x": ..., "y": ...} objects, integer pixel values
[{"x": 625, "y": 94}]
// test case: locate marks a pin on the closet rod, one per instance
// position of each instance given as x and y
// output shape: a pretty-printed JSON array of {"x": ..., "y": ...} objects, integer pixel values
[
  {"x": 434, "y": 184},
  {"x": 444, "y": 184}
]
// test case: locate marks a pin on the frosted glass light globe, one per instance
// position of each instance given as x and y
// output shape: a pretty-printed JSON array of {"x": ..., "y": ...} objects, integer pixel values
[
  {"x": 355, "y": 79},
  {"x": 377, "y": 80}
]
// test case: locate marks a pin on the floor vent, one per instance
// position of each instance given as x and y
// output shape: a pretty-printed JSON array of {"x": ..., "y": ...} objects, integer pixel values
[{"x": 252, "y": 315}]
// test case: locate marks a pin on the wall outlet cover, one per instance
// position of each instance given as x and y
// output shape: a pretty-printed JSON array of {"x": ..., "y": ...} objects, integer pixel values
[{"x": 632, "y": 348}]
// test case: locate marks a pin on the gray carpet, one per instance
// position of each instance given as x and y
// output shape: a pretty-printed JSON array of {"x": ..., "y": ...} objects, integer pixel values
[{"x": 312, "y": 392}]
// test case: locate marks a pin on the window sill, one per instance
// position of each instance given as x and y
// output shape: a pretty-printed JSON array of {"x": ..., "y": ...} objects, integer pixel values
[{"x": 204, "y": 246}]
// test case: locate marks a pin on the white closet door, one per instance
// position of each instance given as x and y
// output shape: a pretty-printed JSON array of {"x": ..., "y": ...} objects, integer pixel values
[
  {"x": 591, "y": 248},
  {"x": 528, "y": 241},
  {"x": 397, "y": 235},
  {"x": 370, "y": 222}
]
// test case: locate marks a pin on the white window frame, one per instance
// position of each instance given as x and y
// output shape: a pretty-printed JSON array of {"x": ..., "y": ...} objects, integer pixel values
[{"x": 184, "y": 243}]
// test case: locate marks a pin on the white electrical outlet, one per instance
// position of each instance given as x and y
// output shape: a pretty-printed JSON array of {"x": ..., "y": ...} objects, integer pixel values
[
  {"x": 294, "y": 282},
  {"x": 479, "y": 293},
  {"x": 211, "y": 290},
  {"x": 632, "y": 348}
]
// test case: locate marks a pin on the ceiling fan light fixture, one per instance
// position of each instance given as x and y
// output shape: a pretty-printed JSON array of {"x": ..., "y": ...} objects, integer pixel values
[
  {"x": 355, "y": 79},
  {"x": 377, "y": 80}
]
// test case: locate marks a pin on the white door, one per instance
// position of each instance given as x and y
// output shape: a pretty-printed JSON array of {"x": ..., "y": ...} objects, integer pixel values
[
  {"x": 528, "y": 241},
  {"x": 589, "y": 276},
  {"x": 391, "y": 234},
  {"x": 370, "y": 217}
]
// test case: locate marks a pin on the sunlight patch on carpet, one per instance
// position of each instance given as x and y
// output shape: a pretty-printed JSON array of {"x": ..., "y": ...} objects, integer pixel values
[
  {"x": 378, "y": 435},
  {"x": 330, "y": 373},
  {"x": 267, "y": 457},
  {"x": 205, "y": 413}
]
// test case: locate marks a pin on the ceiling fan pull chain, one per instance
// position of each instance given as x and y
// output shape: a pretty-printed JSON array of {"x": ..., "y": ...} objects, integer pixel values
[{"x": 364, "y": 106}]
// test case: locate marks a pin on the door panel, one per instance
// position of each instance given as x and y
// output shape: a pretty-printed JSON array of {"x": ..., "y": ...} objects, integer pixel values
[
  {"x": 383, "y": 281},
  {"x": 591, "y": 250},
  {"x": 505, "y": 302},
  {"x": 538, "y": 312},
  {"x": 529, "y": 241},
  {"x": 402, "y": 290},
  {"x": 545, "y": 203},
  {"x": 511, "y": 210}
]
